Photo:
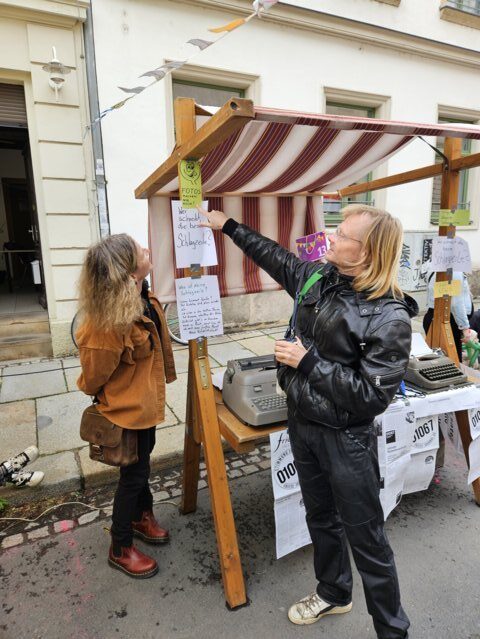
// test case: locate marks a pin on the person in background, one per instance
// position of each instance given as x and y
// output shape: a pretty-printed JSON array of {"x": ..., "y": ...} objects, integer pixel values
[
  {"x": 461, "y": 309},
  {"x": 126, "y": 358},
  {"x": 341, "y": 363}
]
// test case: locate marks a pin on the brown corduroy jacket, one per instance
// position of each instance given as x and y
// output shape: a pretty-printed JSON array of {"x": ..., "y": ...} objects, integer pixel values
[{"x": 127, "y": 371}]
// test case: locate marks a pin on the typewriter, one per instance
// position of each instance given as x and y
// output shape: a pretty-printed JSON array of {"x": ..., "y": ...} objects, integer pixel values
[
  {"x": 433, "y": 372},
  {"x": 249, "y": 391}
]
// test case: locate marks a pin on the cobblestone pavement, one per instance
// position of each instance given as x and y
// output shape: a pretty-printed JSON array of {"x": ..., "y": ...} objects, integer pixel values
[{"x": 165, "y": 486}]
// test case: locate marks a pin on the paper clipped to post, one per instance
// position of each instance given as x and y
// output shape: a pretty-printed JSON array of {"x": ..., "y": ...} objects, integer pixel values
[
  {"x": 452, "y": 288},
  {"x": 190, "y": 178},
  {"x": 460, "y": 217},
  {"x": 193, "y": 243},
  {"x": 199, "y": 308},
  {"x": 451, "y": 253}
]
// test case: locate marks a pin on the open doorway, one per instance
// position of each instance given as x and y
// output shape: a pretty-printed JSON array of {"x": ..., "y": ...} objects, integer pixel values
[{"x": 24, "y": 327}]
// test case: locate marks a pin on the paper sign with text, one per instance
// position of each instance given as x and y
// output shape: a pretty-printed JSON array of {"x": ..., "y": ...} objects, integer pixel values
[
  {"x": 190, "y": 178},
  {"x": 447, "y": 288},
  {"x": 199, "y": 308},
  {"x": 193, "y": 243},
  {"x": 451, "y": 253},
  {"x": 460, "y": 217}
]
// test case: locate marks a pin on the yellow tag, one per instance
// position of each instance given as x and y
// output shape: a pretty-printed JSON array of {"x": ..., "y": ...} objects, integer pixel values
[
  {"x": 460, "y": 217},
  {"x": 452, "y": 288},
  {"x": 190, "y": 177},
  {"x": 228, "y": 27}
]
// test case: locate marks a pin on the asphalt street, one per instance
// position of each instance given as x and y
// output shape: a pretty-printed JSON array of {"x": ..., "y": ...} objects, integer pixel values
[{"x": 61, "y": 587}]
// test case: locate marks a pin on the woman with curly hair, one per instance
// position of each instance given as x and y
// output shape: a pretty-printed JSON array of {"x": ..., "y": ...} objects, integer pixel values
[{"x": 126, "y": 358}]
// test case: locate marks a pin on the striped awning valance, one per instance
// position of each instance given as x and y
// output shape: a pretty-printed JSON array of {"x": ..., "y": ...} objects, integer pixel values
[{"x": 284, "y": 152}]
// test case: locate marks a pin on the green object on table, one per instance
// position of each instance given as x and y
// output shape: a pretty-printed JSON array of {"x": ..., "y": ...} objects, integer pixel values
[{"x": 473, "y": 351}]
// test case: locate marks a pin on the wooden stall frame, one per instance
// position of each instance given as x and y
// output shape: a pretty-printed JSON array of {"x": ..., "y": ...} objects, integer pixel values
[{"x": 207, "y": 419}]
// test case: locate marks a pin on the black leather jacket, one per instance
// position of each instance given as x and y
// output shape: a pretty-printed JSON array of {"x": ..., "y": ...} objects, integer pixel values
[{"x": 358, "y": 350}]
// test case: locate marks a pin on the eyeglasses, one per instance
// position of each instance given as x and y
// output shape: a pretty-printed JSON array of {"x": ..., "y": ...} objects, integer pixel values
[{"x": 341, "y": 236}]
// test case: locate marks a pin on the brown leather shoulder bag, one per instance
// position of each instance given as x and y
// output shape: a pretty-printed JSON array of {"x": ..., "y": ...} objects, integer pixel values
[{"x": 109, "y": 443}]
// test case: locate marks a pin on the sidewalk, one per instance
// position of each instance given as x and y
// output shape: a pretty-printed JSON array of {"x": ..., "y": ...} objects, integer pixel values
[{"x": 40, "y": 404}]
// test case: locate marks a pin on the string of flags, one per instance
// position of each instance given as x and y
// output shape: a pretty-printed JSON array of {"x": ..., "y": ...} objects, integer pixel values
[{"x": 259, "y": 7}]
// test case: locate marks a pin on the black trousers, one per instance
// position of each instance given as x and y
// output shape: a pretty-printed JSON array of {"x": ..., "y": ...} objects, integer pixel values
[
  {"x": 340, "y": 482},
  {"x": 133, "y": 495}
]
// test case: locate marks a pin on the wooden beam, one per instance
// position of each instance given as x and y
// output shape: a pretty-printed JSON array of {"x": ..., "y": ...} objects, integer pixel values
[
  {"x": 393, "y": 180},
  {"x": 234, "y": 115},
  {"x": 467, "y": 162}
]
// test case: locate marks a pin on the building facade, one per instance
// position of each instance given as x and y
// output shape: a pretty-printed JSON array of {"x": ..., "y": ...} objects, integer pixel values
[
  {"x": 399, "y": 60},
  {"x": 48, "y": 208}
]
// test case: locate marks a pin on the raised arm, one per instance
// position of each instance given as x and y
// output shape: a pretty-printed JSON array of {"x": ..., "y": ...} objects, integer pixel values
[{"x": 282, "y": 265}]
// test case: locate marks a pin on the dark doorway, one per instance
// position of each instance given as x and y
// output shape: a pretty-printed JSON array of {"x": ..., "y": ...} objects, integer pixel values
[{"x": 22, "y": 287}]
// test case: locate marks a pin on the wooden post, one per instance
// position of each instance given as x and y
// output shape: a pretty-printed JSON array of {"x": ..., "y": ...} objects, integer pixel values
[
  {"x": 440, "y": 332},
  {"x": 202, "y": 427}
]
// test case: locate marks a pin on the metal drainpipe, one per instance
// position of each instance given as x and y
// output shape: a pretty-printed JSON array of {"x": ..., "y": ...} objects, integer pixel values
[{"x": 96, "y": 131}]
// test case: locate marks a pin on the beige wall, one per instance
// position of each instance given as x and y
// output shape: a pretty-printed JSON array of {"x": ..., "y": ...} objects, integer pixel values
[{"x": 61, "y": 154}]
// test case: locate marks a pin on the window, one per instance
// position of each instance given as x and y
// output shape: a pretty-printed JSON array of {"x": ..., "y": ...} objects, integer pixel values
[
  {"x": 466, "y": 12},
  {"x": 470, "y": 6},
  {"x": 463, "y": 199},
  {"x": 205, "y": 94},
  {"x": 332, "y": 207}
]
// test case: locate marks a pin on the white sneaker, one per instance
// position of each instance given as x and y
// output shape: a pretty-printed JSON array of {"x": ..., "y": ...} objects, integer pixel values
[
  {"x": 312, "y": 608},
  {"x": 25, "y": 478},
  {"x": 15, "y": 464}
]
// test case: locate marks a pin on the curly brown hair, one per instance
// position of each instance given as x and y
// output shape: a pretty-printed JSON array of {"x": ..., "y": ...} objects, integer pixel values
[{"x": 108, "y": 296}]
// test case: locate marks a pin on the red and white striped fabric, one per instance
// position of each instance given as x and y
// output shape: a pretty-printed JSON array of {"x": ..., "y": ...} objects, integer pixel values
[
  {"x": 288, "y": 158},
  {"x": 280, "y": 218}
]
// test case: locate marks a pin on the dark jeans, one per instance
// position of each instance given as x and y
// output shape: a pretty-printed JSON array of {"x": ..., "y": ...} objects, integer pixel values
[
  {"x": 133, "y": 494},
  {"x": 339, "y": 478}
]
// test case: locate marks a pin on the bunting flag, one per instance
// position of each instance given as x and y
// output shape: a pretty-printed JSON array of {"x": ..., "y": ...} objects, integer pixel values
[
  {"x": 231, "y": 26},
  {"x": 159, "y": 73}
]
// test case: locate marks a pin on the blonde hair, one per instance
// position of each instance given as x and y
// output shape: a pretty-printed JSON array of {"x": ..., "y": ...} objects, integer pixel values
[
  {"x": 108, "y": 296},
  {"x": 383, "y": 246}
]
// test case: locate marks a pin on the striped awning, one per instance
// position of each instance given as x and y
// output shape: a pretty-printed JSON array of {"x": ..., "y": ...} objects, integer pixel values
[
  {"x": 284, "y": 152},
  {"x": 270, "y": 175}
]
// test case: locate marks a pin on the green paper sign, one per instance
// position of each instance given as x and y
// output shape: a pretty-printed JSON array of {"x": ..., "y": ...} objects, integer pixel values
[
  {"x": 460, "y": 217},
  {"x": 190, "y": 177}
]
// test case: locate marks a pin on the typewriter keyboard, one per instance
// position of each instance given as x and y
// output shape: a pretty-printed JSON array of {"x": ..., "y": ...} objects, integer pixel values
[
  {"x": 438, "y": 373},
  {"x": 272, "y": 402}
]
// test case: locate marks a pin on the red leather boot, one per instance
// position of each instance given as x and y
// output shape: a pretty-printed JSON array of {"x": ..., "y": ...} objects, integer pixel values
[
  {"x": 133, "y": 563},
  {"x": 149, "y": 530}
]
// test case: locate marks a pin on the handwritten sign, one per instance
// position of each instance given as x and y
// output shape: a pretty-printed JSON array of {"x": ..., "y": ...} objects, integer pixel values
[
  {"x": 312, "y": 247},
  {"x": 452, "y": 288},
  {"x": 199, "y": 308},
  {"x": 190, "y": 183},
  {"x": 193, "y": 243},
  {"x": 451, "y": 253},
  {"x": 460, "y": 217}
]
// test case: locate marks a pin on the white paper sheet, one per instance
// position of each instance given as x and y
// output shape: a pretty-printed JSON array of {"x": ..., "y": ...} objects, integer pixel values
[
  {"x": 449, "y": 427},
  {"x": 451, "y": 253},
  {"x": 474, "y": 419},
  {"x": 193, "y": 244},
  {"x": 419, "y": 471},
  {"x": 217, "y": 380},
  {"x": 284, "y": 474},
  {"x": 398, "y": 429},
  {"x": 474, "y": 456},
  {"x": 290, "y": 524},
  {"x": 419, "y": 346},
  {"x": 394, "y": 477},
  {"x": 199, "y": 308},
  {"x": 425, "y": 436}
]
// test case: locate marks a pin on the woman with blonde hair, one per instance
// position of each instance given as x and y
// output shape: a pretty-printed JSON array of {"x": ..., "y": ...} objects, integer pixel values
[
  {"x": 126, "y": 358},
  {"x": 340, "y": 365}
]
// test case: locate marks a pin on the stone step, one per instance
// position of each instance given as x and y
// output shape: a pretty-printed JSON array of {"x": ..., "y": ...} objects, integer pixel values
[
  {"x": 26, "y": 346},
  {"x": 24, "y": 323}
]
